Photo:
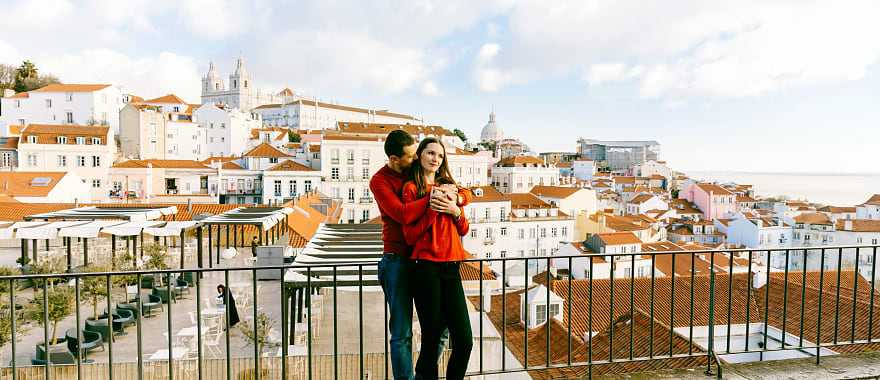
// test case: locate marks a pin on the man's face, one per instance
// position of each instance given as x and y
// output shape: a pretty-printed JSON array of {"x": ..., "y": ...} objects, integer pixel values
[{"x": 403, "y": 162}]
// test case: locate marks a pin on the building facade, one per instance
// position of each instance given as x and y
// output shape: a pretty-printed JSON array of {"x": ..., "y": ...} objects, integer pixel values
[
  {"x": 519, "y": 174},
  {"x": 76, "y": 104},
  {"x": 618, "y": 155}
]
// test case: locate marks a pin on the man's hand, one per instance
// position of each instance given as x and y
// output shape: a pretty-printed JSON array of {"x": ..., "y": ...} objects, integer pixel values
[
  {"x": 443, "y": 202},
  {"x": 452, "y": 192}
]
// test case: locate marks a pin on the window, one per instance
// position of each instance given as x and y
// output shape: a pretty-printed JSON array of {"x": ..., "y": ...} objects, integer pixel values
[
  {"x": 488, "y": 233},
  {"x": 503, "y": 214},
  {"x": 96, "y": 183},
  {"x": 96, "y": 141},
  {"x": 241, "y": 200},
  {"x": 69, "y": 118},
  {"x": 18, "y": 105},
  {"x": 48, "y": 103},
  {"x": 96, "y": 161},
  {"x": 68, "y": 96},
  {"x": 62, "y": 161},
  {"x": 334, "y": 173},
  {"x": 308, "y": 186},
  {"x": 366, "y": 173},
  {"x": 32, "y": 160},
  {"x": 351, "y": 195},
  {"x": 532, "y": 233},
  {"x": 222, "y": 125},
  {"x": 80, "y": 161},
  {"x": 62, "y": 139},
  {"x": 543, "y": 232},
  {"x": 349, "y": 156},
  {"x": 473, "y": 233},
  {"x": 223, "y": 139},
  {"x": 273, "y": 160},
  {"x": 80, "y": 140},
  {"x": 874, "y": 241},
  {"x": 521, "y": 233},
  {"x": 211, "y": 126},
  {"x": 503, "y": 231},
  {"x": 277, "y": 188},
  {"x": 365, "y": 215},
  {"x": 487, "y": 213},
  {"x": 553, "y": 232},
  {"x": 564, "y": 231},
  {"x": 7, "y": 159},
  {"x": 503, "y": 254},
  {"x": 349, "y": 173},
  {"x": 32, "y": 139},
  {"x": 292, "y": 188},
  {"x": 117, "y": 185}
]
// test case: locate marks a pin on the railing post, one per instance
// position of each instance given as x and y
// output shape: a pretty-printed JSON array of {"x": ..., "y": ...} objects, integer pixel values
[{"x": 711, "y": 345}]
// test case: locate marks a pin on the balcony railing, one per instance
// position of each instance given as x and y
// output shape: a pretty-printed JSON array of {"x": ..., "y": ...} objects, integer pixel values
[{"x": 717, "y": 307}]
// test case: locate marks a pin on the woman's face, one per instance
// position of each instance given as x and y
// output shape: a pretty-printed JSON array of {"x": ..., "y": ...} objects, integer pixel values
[{"x": 431, "y": 158}]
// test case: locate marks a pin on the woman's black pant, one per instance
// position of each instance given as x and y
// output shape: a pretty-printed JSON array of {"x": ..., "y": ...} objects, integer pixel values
[{"x": 440, "y": 303}]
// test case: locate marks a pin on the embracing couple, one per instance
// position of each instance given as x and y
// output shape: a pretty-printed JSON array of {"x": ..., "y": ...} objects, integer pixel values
[{"x": 423, "y": 223}]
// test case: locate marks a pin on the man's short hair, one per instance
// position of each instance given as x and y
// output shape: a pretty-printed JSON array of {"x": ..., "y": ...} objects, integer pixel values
[{"x": 396, "y": 141}]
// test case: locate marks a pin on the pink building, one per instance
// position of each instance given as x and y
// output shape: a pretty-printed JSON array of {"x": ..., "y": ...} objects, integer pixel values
[{"x": 713, "y": 200}]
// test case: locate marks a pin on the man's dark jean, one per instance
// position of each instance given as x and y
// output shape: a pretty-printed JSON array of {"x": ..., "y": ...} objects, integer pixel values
[{"x": 395, "y": 273}]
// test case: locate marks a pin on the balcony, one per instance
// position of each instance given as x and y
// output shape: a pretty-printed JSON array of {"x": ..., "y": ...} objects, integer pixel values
[
  {"x": 709, "y": 320},
  {"x": 366, "y": 200},
  {"x": 254, "y": 191}
]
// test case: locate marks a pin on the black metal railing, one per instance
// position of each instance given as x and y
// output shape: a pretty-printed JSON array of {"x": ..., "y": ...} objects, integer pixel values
[{"x": 688, "y": 308}]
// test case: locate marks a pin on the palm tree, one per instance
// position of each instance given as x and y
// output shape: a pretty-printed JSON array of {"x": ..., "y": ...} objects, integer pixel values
[{"x": 27, "y": 70}]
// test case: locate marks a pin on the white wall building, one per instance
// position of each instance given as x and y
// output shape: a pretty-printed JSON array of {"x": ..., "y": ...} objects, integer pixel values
[
  {"x": 519, "y": 174},
  {"x": 312, "y": 114},
  {"x": 347, "y": 164},
  {"x": 82, "y": 104},
  {"x": 44, "y": 187},
  {"x": 758, "y": 232},
  {"x": 227, "y": 130},
  {"x": 644, "y": 202},
  {"x": 870, "y": 209},
  {"x": 87, "y": 151},
  {"x": 240, "y": 92},
  {"x": 651, "y": 167},
  {"x": 467, "y": 168},
  {"x": 287, "y": 180}
]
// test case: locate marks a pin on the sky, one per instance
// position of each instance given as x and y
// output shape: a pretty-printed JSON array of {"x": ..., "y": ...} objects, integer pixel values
[{"x": 751, "y": 85}]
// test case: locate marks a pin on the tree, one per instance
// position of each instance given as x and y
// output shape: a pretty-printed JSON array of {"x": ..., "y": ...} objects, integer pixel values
[
  {"x": 59, "y": 306},
  {"x": 27, "y": 78},
  {"x": 261, "y": 335},
  {"x": 460, "y": 134},
  {"x": 7, "y": 76},
  {"x": 94, "y": 288},
  {"x": 293, "y": 137}
]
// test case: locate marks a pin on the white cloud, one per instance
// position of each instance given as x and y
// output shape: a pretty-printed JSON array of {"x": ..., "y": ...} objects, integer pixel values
[
  {"x": 146, "y": 76},
  {"x": 429, "y": 88},
  {"x": 215, "y": 19},
  {"x": 488, "y": 76},
  {"x": 695, "y": 48}
]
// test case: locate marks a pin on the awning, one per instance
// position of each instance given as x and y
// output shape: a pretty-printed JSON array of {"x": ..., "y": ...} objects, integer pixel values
[
  {"x": 6, "y": 230},
  {"x": 171, "y": 228},
  {"x": 45, "y": 231},
  {"x": 263, "y": 217},
  {"x": 107, "y": 212},
  {"x": 131, "y": 228},
  {"x": 354, "y": 251},
  {"x": 88, "y": 230}
]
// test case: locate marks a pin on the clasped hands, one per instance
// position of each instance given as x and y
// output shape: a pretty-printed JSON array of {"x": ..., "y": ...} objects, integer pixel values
[{"x": 444, "y": 199}]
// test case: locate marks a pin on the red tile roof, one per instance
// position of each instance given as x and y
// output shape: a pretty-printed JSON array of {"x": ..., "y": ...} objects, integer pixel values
[
  {"x": 19, "y": 184},
  {"x": 714, "y": 189},
  {"x": 288, "y": 165},
  {"x": 618, "y": 238},
  {"x": 170, "y": 98},
  {"x": 554, "y": 191},
  {"x": 58, "y": 87},
  {"x": 161, "y": 164},
  {"x": 265, "y": 150}
]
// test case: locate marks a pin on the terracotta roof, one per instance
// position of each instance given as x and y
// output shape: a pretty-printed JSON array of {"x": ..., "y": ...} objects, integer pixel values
[
  {"x": 313, "y": 148},
  {"x": 624, "y": 179},
  {"x": 873, "y": 201},
  {"x": 641, "y": 198},
  {"x": 489, "y": 194},
  {"x": 231, "y": 165},
  {"x": 19, "y": 184},
  {"x": 20, "y": 95},
  {"x": 618, "y": 238},
  {"x": 170, "y": 98},
  {"x": 208, "y": 160},
  {"x": 554, "y": 191},
  {"x": 656, "y": 176},
  {"x": 519, "y": 161},
  {"x": 470, "y": 271},
  {"x": 161, "y": 164},
  {"x": 10, "y": 143},
  {"x": 288, "y": 165},
  {"x": 745, "y": 198},
  {"x": 134, "y": 98},
  {"x": 463, "y": 152},
  {"x": 838, "y": 209},
  {"x": 58, "y": 87},
  {"x": 265, "y": 150},
  {"x": 286, "y": 92},
  {"x": 384, "y": 129},
  {"x": 566, "y": 164},
  {"x": 525, "y": 200},
  {"x": 859, "y": 225},
  {"x": 812, "y": 218},
  {"x": 714, "y": 189},
  {"x": 352, "y": 138},
  {"x": 306, "y": 102},
  {"x": 49, "y": 133},
  {"x": 15, "y": 211}
]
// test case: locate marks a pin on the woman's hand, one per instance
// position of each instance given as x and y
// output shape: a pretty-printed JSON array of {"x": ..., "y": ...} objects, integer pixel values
[{"x": 444, "y": 202}]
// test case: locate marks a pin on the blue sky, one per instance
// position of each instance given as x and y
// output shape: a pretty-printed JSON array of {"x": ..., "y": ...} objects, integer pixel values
[{"x": 772, "y": 85}]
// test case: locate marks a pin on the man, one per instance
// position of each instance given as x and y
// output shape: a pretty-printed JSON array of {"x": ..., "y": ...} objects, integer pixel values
[
  {"x": 395, "y": 267},
  {"x": 254, "y": 244}
]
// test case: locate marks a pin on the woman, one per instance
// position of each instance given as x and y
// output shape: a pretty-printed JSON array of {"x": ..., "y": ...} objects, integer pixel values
[
  {"x": 221, "y": 299},
  {"x": 437, "y": 252}
]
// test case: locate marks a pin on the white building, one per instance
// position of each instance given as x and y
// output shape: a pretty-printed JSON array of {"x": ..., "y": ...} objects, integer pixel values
[
  {"x": 468, "y": 169},
  {"x": 161, "y": 181},
  {"x": 227, "y": 130},
  {"x": 162, "y": 130},
  {"x": 583, "y": 169},
  {"x": 87, "y": 151},
  {"x": 81, "y": 104},
  {"x": 758, "y": 232},
  {"x": 419, "y": 132},
  {"x": 347, "y": 163},
  {"x": 652, "y": 167},
  {"x": 240, "y": 93},
  {"x": 519, "y": 174},
  {"x": 870, "y": 209},
  {"x": 287, "y": 180},
  {"x": 514, "y": 225},
  {"x": 44, "y": 187},
  {"x": 312, "y": 114},
  {"x": 491, "y": 132},
  {"x": 644, "y": 202}
]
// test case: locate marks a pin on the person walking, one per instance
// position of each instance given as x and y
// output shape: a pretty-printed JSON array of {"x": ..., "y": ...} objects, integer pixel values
[
  {"x": 395, "y": 269},
  {"x": 437, "y": 253},
  {"x": 254, "y": 244},
  {"x": 222, "y": 295}
]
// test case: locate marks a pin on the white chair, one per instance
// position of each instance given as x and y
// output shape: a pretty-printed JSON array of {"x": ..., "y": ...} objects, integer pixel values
[{"x": 212, "y": 344}]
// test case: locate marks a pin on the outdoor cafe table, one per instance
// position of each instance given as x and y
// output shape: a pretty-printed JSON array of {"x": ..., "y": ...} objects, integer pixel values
[{"x": 178, "y": 354}]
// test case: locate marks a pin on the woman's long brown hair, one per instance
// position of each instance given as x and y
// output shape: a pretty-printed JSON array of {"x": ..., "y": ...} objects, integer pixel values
[{"x": 417, "y": 172}]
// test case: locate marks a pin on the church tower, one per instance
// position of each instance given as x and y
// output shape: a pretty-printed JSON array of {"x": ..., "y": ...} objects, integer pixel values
[
  {"x": 240, "y": 86},
  {"x": 212, "y": 83}
]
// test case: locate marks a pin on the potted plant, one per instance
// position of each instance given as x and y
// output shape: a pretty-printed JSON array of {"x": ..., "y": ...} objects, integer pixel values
[
  {"x": 24, "y": 264},
  {"x": 59, "y": 304},
  {"x": 126, "y": 281},
  {"x": 157, "y": 256},
  {"x": 261, "y": 337},
  {"x": 93, "y": 288},
  {"x": 47, "y": 266}
]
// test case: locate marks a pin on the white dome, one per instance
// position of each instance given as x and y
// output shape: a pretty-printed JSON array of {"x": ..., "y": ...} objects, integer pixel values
[{"x": 491, "y": 131}]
